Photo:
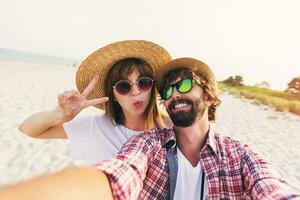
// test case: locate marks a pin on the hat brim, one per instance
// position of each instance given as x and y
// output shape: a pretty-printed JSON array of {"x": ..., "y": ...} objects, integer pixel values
[
  {"x": 195, "y": 65},
  {"x": 102, "y": 60}
]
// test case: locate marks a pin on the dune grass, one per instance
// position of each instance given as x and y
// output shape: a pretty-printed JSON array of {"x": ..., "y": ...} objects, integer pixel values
[{"x": 279, "y": 100}]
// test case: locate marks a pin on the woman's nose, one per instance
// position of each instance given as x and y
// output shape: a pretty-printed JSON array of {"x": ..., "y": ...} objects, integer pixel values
[{"x": 135, "y": 90}]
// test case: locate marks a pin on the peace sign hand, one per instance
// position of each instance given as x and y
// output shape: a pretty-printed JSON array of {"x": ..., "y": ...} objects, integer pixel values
[{"x": 71, "y": 102}]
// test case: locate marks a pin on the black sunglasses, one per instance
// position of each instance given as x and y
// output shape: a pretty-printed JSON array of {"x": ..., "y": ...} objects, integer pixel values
[{"x": 124, "y": 87}]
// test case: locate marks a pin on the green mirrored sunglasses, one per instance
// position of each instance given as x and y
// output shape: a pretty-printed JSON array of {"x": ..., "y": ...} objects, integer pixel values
[{"x": 183, "y": 86}]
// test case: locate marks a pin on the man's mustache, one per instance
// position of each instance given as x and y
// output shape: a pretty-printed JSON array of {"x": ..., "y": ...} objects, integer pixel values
[{"x": 178, "y": 101}]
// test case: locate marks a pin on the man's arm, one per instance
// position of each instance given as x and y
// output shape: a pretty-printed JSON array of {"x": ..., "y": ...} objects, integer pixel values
[
  {"x": 127, "y": 172},
  {"x": 78, "y": 183},
  {"x": 120, "y": 178},
  {"x": 260, "y": 181}
]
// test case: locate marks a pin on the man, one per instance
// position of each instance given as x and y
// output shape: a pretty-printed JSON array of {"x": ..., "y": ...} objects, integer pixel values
[
  {"x": 197, "y": 163},
  {"x": 186, "y": 162}
]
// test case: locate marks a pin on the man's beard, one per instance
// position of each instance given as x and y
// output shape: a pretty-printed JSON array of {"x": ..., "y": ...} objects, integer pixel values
[{"x": 186, "y": 118}]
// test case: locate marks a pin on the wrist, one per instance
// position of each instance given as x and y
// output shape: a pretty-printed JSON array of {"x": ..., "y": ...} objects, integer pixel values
[{"x": 55, "y": 115}]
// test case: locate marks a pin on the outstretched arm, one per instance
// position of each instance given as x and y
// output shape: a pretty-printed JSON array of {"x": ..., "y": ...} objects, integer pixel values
[
  {"x": 78, "y": 183},
  {"x": 120, "y": 178},
  {"x": 260, "y": 181}
]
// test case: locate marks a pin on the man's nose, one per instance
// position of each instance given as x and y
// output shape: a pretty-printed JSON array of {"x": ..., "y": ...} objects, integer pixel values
[{"x": 175, "y": 94}]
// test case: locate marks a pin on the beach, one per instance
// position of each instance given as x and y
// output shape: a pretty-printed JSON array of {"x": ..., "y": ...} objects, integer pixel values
[{"x": 27, "y": 88}]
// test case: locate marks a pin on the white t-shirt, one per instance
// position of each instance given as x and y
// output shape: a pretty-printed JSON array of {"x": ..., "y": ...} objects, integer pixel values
[
  {"x": 188, "y": 183},
  {"x": 95, "y": 138}
]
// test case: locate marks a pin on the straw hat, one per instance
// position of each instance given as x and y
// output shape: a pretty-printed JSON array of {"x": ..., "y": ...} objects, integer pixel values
[
  {"x": 198, "y": 67},
  {"x": 101, "y": 61}
]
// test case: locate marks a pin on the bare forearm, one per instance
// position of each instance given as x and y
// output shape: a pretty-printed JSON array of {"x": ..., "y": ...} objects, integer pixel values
[
  {"x": 38, "y": 123},
  {"x": 77, "y": 183}
]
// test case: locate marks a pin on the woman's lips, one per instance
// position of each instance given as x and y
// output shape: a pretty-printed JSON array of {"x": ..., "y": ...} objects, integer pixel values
[{"x": 137, "y": 104}]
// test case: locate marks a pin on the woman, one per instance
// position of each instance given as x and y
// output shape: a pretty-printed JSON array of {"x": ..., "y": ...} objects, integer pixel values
[{"x": 121, "y": 75}]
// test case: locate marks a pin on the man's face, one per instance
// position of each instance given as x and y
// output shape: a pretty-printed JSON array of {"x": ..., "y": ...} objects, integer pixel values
[{"x": 185, "y": 108}]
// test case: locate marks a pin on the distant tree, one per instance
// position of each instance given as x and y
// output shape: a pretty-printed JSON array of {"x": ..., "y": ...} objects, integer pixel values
[
  {"x": 263, "y": 84},
  {"x": 237, "y": 80},
  {"x": 294, "y": 86}
]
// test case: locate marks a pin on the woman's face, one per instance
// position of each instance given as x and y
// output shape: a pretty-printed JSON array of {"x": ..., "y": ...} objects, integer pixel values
[{"x": 136, "y": 101}]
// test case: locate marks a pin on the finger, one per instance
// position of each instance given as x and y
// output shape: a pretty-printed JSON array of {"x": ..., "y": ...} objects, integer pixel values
[
  {"x": 91, "y": 86},
  {"x": 94, "y": 102},
  {"x": 66, "y": 108},
  {"x": 61, "y": 100},
  {"x": 70, "y": 93}
]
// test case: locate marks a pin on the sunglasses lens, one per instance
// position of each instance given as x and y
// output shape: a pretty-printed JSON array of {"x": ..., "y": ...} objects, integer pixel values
[
  {"x": 184, "y": 85},
  {"x": 145, "y": 83},
  {"x": 167, "y": 93},
  {"x": 123, "y": 87}
]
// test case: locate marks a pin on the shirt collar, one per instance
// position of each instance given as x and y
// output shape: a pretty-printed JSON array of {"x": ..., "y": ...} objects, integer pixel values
[
  {"x": 211, "y": 141},
  {"x": 168, "y": 139}
]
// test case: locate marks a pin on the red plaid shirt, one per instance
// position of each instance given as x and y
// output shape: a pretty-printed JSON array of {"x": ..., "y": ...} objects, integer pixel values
[{"x": 232, "y": 170}]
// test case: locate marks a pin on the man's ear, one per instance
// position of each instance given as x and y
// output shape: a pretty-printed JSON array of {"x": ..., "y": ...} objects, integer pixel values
[{"x": 209, "y": 101}]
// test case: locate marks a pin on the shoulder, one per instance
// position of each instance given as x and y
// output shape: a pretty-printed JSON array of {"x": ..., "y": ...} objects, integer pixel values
[
  {"x": 148, "y": 136},
  {"x": 228, "y": 146},
  {"x": 88, "y": 123},
  {"x": 146, "y": 144},
  {"x": 232, "y": 148},
  {"x": 100, "y": 118},
  {"x": 158, "y": 134},
  {"x": 152, "y": 138},
  {"x": 79, "y": 122},
  {"x": 223, "y": 140},
  {"x": 83, "y": 119}
]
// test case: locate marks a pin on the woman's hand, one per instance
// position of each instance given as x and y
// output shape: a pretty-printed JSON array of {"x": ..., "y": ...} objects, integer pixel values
[{"x": 71, "y": 102}]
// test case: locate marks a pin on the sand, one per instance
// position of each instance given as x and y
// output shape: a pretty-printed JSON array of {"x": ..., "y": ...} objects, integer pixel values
[{"x": 27, "y": 88}]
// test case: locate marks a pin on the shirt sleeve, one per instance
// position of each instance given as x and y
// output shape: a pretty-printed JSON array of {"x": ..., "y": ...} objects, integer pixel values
[
  {"x": 127, "y": 172},
  {"x": 261, "y": 181},
  {"x": 77, "y": 127}
]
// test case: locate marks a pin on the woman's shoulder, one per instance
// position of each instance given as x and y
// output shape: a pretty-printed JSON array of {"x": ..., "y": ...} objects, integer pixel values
[
  {"x": 104, "y": 120},
  {"x": 88, "y": 120}
]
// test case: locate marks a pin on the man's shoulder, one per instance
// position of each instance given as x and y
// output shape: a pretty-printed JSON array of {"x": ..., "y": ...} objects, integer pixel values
[
  {"x": 227, "y": 145},
  {"x": 226, "y": 140}
]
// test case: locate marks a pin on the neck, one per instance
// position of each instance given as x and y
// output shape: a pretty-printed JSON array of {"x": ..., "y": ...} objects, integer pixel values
[
  {"x": 190, "y": 140},
  {"x": 134, "y": 122}
]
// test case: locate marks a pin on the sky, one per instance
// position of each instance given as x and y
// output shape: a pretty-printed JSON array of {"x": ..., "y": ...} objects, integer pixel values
[{"x": 257, "y": 39}]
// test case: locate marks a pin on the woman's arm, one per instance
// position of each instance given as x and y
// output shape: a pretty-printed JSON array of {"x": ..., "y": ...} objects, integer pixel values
[
  {"x": 48, "y": 124},
  {"x": 44, "y": 125}
]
